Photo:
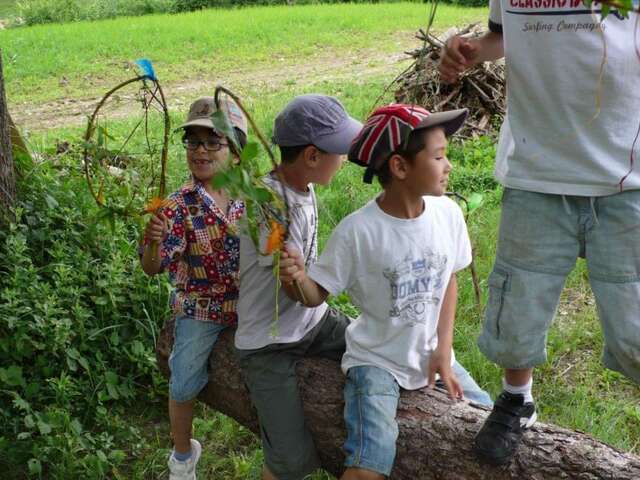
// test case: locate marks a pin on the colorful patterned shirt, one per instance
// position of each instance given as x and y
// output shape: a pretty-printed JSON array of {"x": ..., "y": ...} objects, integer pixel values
[{"x": 201, "y": 252}]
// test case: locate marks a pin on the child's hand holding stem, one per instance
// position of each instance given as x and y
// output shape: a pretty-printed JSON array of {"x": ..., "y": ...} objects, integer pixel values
[
  {"x": 295, "y": 281},
  {"x": 291, "y": 266},
  {"x": 155, "y": 231}
]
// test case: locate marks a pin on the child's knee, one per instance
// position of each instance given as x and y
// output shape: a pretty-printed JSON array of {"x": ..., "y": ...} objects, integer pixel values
[{"x": 361, "y": 474}]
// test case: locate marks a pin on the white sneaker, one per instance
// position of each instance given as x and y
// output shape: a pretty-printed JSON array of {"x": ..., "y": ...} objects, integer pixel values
[{"x": 185, "y": 470}]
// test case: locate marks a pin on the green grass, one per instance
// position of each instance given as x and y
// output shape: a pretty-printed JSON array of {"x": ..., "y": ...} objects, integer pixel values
[
  {"x": 7, "y": 8},
  {"x": 204, "y": 44}
]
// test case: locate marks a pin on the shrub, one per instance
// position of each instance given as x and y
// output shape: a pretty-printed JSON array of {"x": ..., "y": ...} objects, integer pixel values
[
  {"x": 78, "y": 320},
  {"x": 59, "y": 11}
]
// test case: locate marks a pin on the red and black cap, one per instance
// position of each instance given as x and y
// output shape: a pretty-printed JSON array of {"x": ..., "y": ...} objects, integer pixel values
[{"x": 388, "y": 127}]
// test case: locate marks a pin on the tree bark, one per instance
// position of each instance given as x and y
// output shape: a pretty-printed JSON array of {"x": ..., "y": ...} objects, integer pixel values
[
  {"x": 7, "y": 173},
  {"x": 435, "y": 434}
]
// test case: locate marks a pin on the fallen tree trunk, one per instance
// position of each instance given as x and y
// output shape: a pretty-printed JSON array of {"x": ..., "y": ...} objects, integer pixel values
[{"x": 435, "y": 434}]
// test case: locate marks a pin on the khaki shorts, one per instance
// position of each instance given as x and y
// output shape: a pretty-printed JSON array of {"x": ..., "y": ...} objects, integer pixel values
[{"x": 270, "y": 374}]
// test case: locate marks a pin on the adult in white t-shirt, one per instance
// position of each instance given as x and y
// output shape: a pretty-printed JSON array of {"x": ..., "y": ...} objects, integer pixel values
[
  {"x": 396, "y": 257},
  {"x": 567, "y": 159}
]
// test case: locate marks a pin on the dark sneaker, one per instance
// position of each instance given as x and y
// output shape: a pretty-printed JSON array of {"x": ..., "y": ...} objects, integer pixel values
[{"x": 498, "y": 439}]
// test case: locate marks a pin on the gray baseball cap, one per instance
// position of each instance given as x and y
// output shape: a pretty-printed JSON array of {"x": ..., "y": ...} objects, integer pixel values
[{"x": 317, "y": 120}]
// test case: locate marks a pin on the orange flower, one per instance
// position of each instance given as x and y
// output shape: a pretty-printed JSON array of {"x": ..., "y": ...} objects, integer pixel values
[
  {"x": 154, "y": 205},
  {"x": 275, "y": 241}
]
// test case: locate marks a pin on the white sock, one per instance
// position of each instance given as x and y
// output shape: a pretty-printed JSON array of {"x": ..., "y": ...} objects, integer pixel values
[{"x": 522, "y": 389}]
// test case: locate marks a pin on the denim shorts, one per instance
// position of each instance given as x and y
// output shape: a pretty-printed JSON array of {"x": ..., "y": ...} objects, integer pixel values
[
  {"x": 371, "y": 397},
  {"x": 541, "y": 236},
  {"x": 192, "y": 345}
]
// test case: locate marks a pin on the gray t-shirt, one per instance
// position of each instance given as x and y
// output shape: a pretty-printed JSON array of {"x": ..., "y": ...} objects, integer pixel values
[
  {"x": 257, "y": 303},
  {"x": 568, "y": 130}
]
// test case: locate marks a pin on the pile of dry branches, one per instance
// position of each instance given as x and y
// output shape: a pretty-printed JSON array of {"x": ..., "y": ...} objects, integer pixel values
[{"x": 480, "y": 89}]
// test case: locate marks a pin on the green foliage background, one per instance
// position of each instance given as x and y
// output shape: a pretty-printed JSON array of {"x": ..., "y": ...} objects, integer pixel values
[
  {"x": 33, "y": 12},
  {"x": 78, "y": 319}
]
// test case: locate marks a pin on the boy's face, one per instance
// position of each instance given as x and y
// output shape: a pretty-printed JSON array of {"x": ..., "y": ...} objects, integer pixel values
[
  {"x": 207, "y": 152},
  {"x": 429, "y": 172},
  {"x": 327, "y": 164}
]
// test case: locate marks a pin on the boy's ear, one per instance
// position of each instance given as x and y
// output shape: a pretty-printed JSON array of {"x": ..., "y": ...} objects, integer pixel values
[
  {"x": 310, "y": 156},
  {"x": 398, "y": 167}
]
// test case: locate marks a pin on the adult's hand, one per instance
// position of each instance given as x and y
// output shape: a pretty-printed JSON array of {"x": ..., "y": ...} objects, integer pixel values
[{"x": 458, "y": 54}]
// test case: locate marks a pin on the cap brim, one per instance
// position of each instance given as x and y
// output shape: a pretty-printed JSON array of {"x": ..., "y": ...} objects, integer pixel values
[
  {"x": 450, "y": 120},
  {"x": 340, "y": 141},
  {"x": 198, "y": 122}
]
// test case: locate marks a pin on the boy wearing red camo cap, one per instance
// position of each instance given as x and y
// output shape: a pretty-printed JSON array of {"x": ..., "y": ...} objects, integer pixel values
[{"x": 396, "y": 257}]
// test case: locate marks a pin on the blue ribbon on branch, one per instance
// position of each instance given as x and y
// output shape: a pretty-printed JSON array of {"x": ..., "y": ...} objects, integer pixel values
[{"x": 147, "y": 69}]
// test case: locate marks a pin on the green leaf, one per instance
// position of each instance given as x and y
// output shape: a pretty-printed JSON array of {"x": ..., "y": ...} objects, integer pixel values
[
  {"x": 101, "y": 456},
  {"x": 222, "y": 124},
  {"x": 72, "y": 364},
  {"x": 475, "y": 201},
  {"x": 221, "y": 180},
  {"x": 20, "y": 403},
  {"x": 72, "y": 352},
  {"x": 44, "y": 427},
  {"x": 29, "y": 422},
  {"x": 83, "y": 361},
  {"x": 51, "y": 202},
  {"x": 12, "y": 376},
  {"x": 262, "y": 195},
  {"x": 35, "y": 467},
  {"x": 246, "y": 181},
  {"x": 111, "y": 378},
  {"x": 101, "y": 300},
  {"x": 76, "y": 426},
  {"x": 249, "y": 152},
  {"x": 113, "y": 391}
]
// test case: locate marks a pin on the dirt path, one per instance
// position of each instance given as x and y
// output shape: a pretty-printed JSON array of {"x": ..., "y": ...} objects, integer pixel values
[{"x": 355, "y": 65}]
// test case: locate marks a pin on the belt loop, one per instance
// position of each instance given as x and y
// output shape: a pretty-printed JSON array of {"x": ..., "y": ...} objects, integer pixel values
[
  {"x": 592, "y": 203},
  {"x": 565, "y": 202}
]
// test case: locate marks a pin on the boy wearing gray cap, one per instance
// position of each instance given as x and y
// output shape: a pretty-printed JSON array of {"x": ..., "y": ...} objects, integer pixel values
[
  {"x": 313, "y": 133},
  {"x": 396, "y": 257},
  {"x": 196, "y": 230}
]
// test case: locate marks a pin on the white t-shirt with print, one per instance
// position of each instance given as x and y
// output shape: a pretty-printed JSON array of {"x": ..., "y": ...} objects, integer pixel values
[
  {"x": 257, "y": 302},
  {"x": 554, "y": 138},
  {"x": 396, "y": 271}
]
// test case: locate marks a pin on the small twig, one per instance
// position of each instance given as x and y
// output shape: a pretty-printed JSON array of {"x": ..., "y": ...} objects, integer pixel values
[{"x": 448, "y": 98}]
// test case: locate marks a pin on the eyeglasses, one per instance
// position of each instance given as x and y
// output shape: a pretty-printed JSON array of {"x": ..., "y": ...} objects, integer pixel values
[{"x": 211, "y": 145}]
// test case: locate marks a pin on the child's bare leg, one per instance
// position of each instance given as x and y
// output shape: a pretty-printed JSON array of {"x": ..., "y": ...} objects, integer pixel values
[
  {"x": 519, "y": 377},
  {"x": 181, "y": 416},
  {"x": 266, "y": 474},
  {"x": 360, "y": 474}
]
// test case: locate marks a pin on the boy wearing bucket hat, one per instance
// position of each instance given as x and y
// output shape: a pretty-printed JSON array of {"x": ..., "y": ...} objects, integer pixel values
[
  {"x": 199, "y": 246},
  {"x": 313, "y": 133},
  {"x": 396, "y": 257}
]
